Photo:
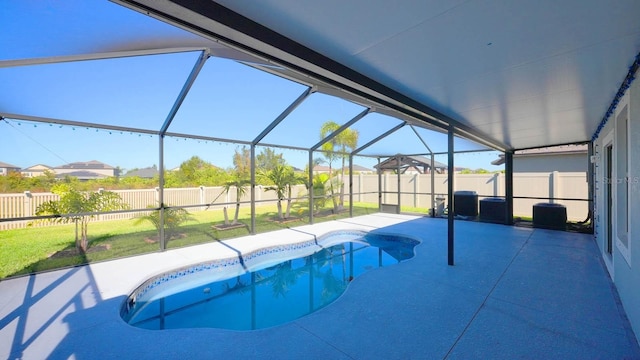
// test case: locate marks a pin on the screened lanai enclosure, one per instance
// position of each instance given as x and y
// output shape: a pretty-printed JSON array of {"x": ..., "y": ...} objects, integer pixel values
[
  {"x": 198, "y": 140},
  {"x": 190, "y": 122},
  {"x": 132, "y": 127}
]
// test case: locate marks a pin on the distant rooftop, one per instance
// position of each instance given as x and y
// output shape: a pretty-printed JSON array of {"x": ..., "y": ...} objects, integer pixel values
[
  {"x": 7, "y": 165},
  {"x": 147, "y": 173},
  {"x": 82, "y": 175},
  {"x": 93, "y": 164}
]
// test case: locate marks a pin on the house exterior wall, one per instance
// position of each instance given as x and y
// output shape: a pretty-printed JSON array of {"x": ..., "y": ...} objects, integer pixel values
[
  {"x": 624, "y": 261},
  {"x": 551, "y": 162},
  {"x": 37, "y": 170},
  {"x": 627, "y": 274},
  {"x": 5, "y": 170}
]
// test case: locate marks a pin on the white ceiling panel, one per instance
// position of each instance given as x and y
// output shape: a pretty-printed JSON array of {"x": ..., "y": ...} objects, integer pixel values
[
  {"x": 517, "y": 73},
  {"x": 524, "y": 73}
]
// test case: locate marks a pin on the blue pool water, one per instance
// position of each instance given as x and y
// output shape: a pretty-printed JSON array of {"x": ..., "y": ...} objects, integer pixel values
[{"x": 279, "y": 289}]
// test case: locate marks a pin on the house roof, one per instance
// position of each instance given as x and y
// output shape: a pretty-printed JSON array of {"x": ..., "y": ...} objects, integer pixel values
[
  {"x": 82, "y": 175},
  {"x": 7, "y": 165},
  {"x": 37, "y": 167},
  {"x": 147, "y": 173},
  {"x": 360, "y": 168},
  {"x": 93, "y": 164}
]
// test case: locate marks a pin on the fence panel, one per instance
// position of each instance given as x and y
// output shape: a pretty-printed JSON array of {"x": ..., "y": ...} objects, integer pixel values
[{"x": 416, "y": 189}]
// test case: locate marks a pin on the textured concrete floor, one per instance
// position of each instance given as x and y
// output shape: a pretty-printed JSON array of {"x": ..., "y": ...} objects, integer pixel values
[{"x": 513, "y": 293}]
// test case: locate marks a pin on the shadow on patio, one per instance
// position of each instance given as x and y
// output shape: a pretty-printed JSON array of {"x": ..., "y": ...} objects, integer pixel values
[{"x": 513, "y": 293}]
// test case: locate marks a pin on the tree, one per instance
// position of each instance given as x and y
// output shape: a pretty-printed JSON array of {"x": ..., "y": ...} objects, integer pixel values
[
  {"x": 319, "y": 191},
  {"x": 191, "y": 170},
  {"x": 346, "y": 140},
  {"x": 78, "y": 206},
  {"x": 239, "y": 182},
  {"x": 295, "y": 179},
  {"x": 173, "y": 218},
  {"x": 267, "y": 160},
  {"x": 195, "y": 172},
  {"x": 239, "y": 179},
  {"x": 283, "y": 178},
  {"x": 242, "y": 162}
]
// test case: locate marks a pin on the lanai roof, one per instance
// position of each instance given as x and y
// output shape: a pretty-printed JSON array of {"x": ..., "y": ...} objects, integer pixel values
[
  {"x": 520, "y": 73},
  {"x": 513, "y": 75}
]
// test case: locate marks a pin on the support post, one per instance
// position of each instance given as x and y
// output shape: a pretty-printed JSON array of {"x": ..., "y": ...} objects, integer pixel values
[
  {"x": 590, "y": 181},
  {"x": 508, "y": 186},
  {"x": 379, "y": 187},
  {"x": 450, "y": 204},
  {"x": 163, "y": 244},
  {"x": 253, "y": 190},
  {"x": 398, "y": 180},
  {"x": 350, "y": 186},
  {"x": 311, "y": 190},
  {"x": 433, "y": 186}
]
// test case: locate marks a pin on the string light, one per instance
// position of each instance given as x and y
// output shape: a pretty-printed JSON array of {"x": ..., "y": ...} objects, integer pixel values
[{"x": 628, "y": 80}]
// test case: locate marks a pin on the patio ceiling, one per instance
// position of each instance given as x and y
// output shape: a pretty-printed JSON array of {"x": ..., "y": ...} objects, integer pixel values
[{"x": 519, "y": 74}]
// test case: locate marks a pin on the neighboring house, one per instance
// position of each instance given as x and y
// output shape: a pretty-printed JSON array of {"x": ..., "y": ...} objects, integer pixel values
[
  {"x": 86, "y": 170},
  {"x": 411, "y": 165},
  {"x": 37, "y": 170},
  {"x": 357, "y": 169},
  {"x": 146, "y": 173},
  {"x": 322, "y": 169},
  {"x": 6, "y": 168},
  {"x": 565, "y": 158},
  {"x": 82, "y": 175}
]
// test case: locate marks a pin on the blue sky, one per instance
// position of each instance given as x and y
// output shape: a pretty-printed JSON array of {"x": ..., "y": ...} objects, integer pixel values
[{"x": 228, "y": 101}]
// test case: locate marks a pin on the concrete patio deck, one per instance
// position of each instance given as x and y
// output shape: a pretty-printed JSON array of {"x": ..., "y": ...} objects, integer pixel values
[{"x": 513, "y": 293}]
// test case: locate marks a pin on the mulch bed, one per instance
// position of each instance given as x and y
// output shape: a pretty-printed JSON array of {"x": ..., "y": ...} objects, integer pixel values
[
  {"x": 284, "y": 221},
  {"x": 228, "y": 226}
]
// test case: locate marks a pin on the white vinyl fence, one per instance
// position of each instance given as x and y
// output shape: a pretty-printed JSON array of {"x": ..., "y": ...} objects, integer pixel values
[
  {"x": 415, "y": 192},
  {"x": 25, "y": 204}
]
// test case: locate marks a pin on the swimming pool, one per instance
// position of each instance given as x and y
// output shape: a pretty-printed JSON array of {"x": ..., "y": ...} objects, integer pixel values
[{"x": 264, "y": 288}]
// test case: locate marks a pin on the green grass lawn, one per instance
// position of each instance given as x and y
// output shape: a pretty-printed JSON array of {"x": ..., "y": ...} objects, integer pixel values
[{"x": 37, "y": 249}]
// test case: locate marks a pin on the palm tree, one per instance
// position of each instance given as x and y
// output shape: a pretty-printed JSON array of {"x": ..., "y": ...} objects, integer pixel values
[
  {"x": 326, "y": 129},
  {"x": 283, "y": 178},
  {"x": 346, "y": 140},
  {"x": 239, "y": 182},
  {"x": 319, "y": 191},
  {"x": 293, "y": 180},
  {"x": 279, "y": 176},
  {"x": 172, "y": 219}
]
